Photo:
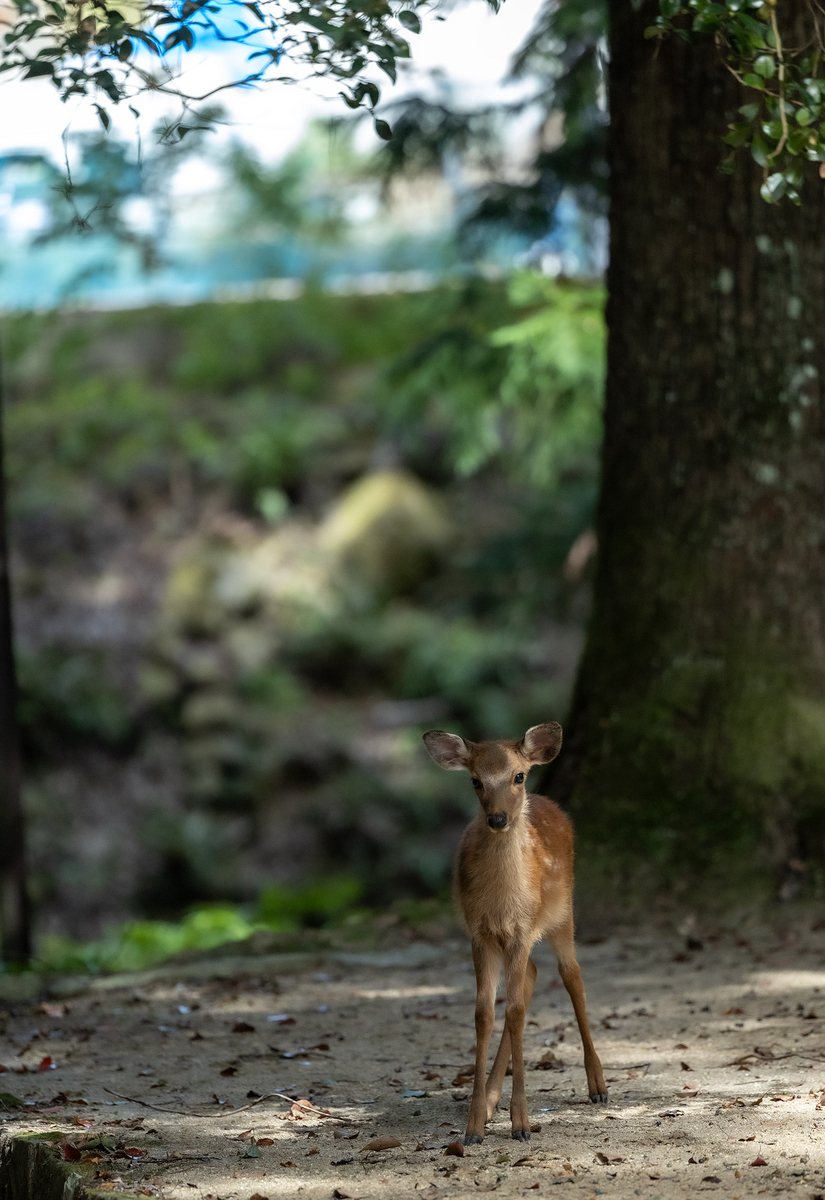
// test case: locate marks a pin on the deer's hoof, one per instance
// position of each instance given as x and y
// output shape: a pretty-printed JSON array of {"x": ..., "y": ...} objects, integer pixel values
[
  {"x": 521, "y": 1135},
  {"x": 473, "y": 1139},
  {"x": 599, "y": 1098}
]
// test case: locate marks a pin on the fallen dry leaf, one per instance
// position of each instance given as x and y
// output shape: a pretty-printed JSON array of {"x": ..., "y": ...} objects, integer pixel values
[
  {"x": 783, "y": 1097},
  {"x": 243, "y": 1027},
  {"x": 455, "y": 1148},
  {"x": 549, "y": 1062},
  {"x": 711, "y": 1179},
  {"x": 53, "y": 1010},
  {"x": 685, "y": 1066},
  {"x": 733, "y": 1012},
  {"x": 229, "y": 1071},
  {"x": 348, "y": 1193},
  {"x": 346, "y": 1134},
  {"x": 759, "y": 1161},
  {"x": 381, "y": 1143},
  {"x": 266, "y": 1141},
  {"x": 258, "y": 1196}
]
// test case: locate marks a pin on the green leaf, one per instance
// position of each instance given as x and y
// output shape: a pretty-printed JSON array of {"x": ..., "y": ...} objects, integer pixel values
[
  {"x": 738, "y": 135},
  {"x": 749, "y": 111},
  {"x": 765, "y": 65},
  {"x": 410, "y": 20},
  {"x": 752, "y": 81},
  {"x": 38, "y": 67},
  {"x": 804, "y": 116},
  {"x": 798, "y": 140},
  {"x": 383, "y": 130},
  {"x": 670, "y": 8},
  {"x": 773, "y": 188},
  {"x": 252, "y": 1152},
  {"x": 183, "y": 35},
  {"x": 759, "y": 151}
]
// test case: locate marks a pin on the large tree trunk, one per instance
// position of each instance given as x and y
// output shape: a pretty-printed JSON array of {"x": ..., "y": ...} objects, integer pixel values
[{"x": 697, "y": 736}]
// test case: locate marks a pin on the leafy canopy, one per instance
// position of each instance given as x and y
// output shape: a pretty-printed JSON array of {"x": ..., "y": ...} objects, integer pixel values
[
  {"x": 783, "y": 121},
  {"x": 112, "y": 52}
]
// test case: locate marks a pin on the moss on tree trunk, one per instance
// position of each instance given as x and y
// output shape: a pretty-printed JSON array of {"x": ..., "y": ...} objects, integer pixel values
[{"x": 697, "y": 736}]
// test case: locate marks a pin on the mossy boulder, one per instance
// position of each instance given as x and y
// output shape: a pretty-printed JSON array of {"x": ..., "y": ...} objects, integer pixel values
[{"x": 386, "y": 534}]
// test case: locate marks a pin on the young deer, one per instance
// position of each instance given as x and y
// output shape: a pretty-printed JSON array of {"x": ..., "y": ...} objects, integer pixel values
[{"x": 514, "y": 883}]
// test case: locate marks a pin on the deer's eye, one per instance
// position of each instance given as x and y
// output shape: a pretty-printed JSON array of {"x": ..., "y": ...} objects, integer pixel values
[
  {"x": 519, "y": 778},
  {"x": 477, "y": 784}
]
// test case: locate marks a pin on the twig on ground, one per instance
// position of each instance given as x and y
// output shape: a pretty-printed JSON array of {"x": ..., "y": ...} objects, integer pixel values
[
  {"x": 181, "y": 1112},
  {"x": 760, "y": 1056}
]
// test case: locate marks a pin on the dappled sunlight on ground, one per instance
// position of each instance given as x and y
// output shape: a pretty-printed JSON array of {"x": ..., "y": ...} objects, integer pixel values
[{"x": 715, "y": 1060}]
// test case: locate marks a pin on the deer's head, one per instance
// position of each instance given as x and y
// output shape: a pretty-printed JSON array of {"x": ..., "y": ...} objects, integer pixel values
[{"x": 498, "y": 769}]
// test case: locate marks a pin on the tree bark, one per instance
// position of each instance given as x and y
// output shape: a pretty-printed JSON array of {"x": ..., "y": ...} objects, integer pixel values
[
  {"x": 696, "y": 739},
  {"x": 14, "y": 914}
]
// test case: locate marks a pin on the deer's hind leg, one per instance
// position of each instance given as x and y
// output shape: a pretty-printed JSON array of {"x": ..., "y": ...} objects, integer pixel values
[
  {"x": 564, "y": 946},
  {"x": 495, "y": 1081}
]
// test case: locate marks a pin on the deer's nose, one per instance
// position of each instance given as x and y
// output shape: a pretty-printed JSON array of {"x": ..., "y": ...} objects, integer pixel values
[{"x": 497, "y": 820}]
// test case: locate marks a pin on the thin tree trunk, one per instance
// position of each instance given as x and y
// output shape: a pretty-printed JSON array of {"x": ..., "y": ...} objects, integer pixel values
[
  {"x": 697, "y": 735},
  {"x": 14, "y": 915}
]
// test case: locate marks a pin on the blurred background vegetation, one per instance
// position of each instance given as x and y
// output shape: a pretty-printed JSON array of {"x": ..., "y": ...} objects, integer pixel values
[
  {"x": 258, "y": 549},
  {"x": 262, "y": 542}
]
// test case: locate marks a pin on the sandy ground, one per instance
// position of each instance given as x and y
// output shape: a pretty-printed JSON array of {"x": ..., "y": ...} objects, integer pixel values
[{"x": 715, "y": 1059}]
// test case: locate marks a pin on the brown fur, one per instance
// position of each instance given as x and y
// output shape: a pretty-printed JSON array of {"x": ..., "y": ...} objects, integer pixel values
[{"x": 514, "y": 885}]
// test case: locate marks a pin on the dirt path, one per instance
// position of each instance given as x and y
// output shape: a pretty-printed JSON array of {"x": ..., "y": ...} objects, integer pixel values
[{"x": 694, "y": 1107}]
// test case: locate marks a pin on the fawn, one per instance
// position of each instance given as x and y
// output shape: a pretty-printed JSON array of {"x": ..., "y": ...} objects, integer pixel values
[{"x": 514, "y": 884}]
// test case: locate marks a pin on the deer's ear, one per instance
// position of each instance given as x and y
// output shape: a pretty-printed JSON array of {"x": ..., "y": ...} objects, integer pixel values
[
  {"x": 542, "y": 743},
  {"x": 448, "y": 749}
]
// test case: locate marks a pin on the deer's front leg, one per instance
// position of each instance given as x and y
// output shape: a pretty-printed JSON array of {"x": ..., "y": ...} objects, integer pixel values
[
  {"x": 515, "y": 967},
  {"x": 487, "y": 964},
  {"x": 495, "y": 1081}
]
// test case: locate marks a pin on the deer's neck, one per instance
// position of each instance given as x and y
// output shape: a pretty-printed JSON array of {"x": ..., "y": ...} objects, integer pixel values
[{"x": 495, "y": 880}]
